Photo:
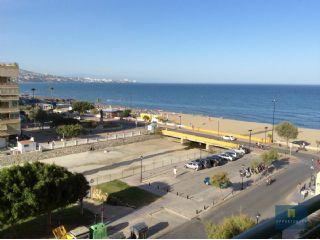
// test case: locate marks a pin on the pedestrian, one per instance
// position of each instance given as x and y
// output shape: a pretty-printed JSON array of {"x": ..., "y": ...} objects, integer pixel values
[{"x": 175, "y": 171}]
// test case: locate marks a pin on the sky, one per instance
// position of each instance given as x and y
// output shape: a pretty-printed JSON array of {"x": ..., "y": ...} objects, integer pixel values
[{"x": 172, "y": 41}]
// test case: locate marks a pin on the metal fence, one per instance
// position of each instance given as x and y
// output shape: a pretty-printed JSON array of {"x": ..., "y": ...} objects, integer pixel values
[{"x": 146, "y": 168}]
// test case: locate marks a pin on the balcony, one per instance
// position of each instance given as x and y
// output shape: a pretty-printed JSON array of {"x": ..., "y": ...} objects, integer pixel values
[
  {"x": 10, "y": 89},
  {"x": 9, "y": 121},
  {"x": 9, "y": 110},
  {"x": 9, "y": 98}
]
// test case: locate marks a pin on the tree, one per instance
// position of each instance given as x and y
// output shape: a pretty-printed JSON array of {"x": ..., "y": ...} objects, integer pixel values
[
  {"x": 269, "y": 157},
  {"x": 125, "y": 113},
  {"x": 318, "y": 144},
  {"x": 70, "y": 130},
  {"x": 82, "y": 106},
  {"x": 57, "y": 119},
  {"x": 220, "y": 180},
  {"x": 146, "y": 118},
  {"x": 37, "y": 188},
  {"x": 39, "y": 115},
  {"x": 287, "y": 131},
  {"x": 230, "y": 227}
]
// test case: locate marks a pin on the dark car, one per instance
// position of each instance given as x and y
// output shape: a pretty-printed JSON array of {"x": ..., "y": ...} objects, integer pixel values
[
  {"x": 246, "y": 150},
  {"x": 206, "y": 163},
  {"x": 216, "y": 160},
  {"x": 199, "y": 163}
]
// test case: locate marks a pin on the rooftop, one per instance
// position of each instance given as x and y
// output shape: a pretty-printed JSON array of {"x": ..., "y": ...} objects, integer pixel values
[{"x": 9, "y": 70}]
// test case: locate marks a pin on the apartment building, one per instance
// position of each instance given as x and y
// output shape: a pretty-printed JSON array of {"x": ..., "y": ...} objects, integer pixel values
[{"x": 9, "y": 103}]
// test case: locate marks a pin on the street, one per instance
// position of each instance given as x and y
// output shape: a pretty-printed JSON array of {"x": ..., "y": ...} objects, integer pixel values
[{"x": 260, "y": 199}]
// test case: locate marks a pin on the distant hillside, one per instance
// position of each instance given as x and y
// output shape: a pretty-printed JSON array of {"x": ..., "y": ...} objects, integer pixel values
[{"x": 28, "y": 76}]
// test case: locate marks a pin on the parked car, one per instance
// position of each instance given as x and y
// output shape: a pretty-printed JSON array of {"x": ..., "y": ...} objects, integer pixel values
[
  {"x": 206, "y": 162},
  {"x": 228, "y": 138},
  {"x": 216, "y": 160},
  {"x": 193, "y": 165},
  {"x": 246, "y": 150},
  {"x": 226, "y": 156},
  {"x": 233, "y": 154},
  {"x": 240, "y": 151}
]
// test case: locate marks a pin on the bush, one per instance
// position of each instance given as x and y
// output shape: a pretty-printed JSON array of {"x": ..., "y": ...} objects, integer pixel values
[
  {"x": 269, "y": 157},
  {"x": 89, "y": 124},
  {"x": 125, "y": 113},
  {"x": 229, "y": 227},
  {"x": 57, "y": 120},
  {"x": 220, "y": 180},
  {"x": 82, "y": 106},
  {"x": 68, "y": 131}
]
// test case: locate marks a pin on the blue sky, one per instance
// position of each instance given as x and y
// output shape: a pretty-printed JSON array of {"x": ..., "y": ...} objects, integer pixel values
[{"x": 194, "y": 41}]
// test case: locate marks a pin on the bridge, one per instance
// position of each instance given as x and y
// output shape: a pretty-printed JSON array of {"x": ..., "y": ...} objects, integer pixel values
[{"x": 208, "y": 141}]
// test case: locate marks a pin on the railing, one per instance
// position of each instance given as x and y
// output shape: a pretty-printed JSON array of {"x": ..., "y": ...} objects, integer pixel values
[{"x": 268, "y": 228}]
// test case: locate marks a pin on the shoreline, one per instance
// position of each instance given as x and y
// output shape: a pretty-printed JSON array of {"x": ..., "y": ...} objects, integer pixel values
[{"x": 219, "y": 124}]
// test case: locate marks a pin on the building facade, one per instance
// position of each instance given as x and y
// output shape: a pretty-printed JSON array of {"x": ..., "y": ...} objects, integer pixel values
[{"x": 9, "y": 103}]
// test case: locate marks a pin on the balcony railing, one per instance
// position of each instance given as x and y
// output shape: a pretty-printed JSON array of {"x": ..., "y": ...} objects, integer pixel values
[{"x": 9, "y": 110}]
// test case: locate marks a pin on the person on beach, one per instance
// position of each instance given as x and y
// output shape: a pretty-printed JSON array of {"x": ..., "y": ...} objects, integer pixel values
[{"x": 175, "y": 171}]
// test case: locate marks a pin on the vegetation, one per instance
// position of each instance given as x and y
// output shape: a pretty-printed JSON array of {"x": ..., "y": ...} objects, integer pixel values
[
  {"x": 220, "y": 180},
  {"x": 69, "y": 131},
  {"x": 318, "y": 144},
  {"x": 269, "y": 157},
  {"x": 89, "y": 124},
  {"x": 82, "y": 106},
  {"x": 120, "y": 193},
  {"x": 112, "y": 125},
  {"x": 58, "y": 120},
  {"x": 229, "y": 227},
  {"x": 39, "y": 115},
  {"x": 146, "y": 118},
  {"x": 125, "y": 113},
  {"x": 287, "y": 131},
  {"x": 36, "y": 227},
  {"x": 37, "y": 188},
  {"x": 255, "y": 164}
]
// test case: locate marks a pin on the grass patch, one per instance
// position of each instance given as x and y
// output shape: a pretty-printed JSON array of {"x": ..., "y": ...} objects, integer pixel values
[
  {"x": 120, "y": 193},
  {"x": 36, "y": 227}
]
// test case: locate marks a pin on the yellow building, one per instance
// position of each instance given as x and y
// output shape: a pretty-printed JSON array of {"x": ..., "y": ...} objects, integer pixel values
[{"x": 9, "y": 102}]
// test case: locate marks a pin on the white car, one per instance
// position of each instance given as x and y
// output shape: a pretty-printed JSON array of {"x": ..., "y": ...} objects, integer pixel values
[
  {"x": 240, "y": 151},
  {"x": 228, "y": 138},
  {"x": 226, "y": 156},
  {"x": 192, "y": 165}
]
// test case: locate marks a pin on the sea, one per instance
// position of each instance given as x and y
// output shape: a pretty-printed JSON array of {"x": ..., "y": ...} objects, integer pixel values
[{"x": 299, "y": 104}]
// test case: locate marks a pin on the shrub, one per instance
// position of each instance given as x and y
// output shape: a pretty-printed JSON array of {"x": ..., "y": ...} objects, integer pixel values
[
  {"x": 269, "y": 157},
  {"x": 68, "y": 131},
  {"x": 229, "y": 227},
  {"x": 82, "y": 106},
  {"x": 220, "y": 179}
]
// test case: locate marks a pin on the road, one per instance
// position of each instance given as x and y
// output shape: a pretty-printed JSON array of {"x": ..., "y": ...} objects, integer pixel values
[{"x": 260, "y": 199}]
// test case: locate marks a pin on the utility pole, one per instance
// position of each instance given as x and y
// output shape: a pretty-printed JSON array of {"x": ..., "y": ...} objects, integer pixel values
[
  {"x": 265, "y": 134},
  {"x": 141, "y": 158},
  {"x": 274, "y": 109},
  {"x": 250, "y": 139},
  {"x": 33, "y": 90}
]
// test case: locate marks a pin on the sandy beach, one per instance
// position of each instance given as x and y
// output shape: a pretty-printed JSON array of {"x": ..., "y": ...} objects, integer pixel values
[{"x": 238, "y": 127}]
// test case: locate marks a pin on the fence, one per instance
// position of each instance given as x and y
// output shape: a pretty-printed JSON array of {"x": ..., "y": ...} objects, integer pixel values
[
  {"x": 147, "y": 167},
  {"x": 81, "y": 141}
]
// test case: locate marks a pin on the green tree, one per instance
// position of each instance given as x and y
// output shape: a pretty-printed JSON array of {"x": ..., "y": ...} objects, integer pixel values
[
  {"x": 82, "y": 106},
  {"x": 269, "y": 157},
  {"x": 57, "y": 119},
  {"x": 287, "y": 131},
  {"x": 39, "y": 115},
  {"x": 230, "y": 227},
  {"x": 318, "y": 144},
  {"x": 37, "y": 188},
  {"x": 146, "y": 118},
  {"x": 220, "y": 179},
  {"x": 125, "y": 113},
  {"x": 71, "y": 130}
]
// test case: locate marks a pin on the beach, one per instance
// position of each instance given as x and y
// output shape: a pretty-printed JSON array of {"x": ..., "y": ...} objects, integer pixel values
[{"x": 238, "y": 127}]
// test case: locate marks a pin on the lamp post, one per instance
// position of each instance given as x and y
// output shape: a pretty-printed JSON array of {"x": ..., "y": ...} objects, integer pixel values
[
  {"x": 33, "y": 90},
  {"x": 180, "y": 120},
  {"x": 312, "y": 170},
  {"x": 241, "y": 175},
  {"x": 51, "y": 90},
  {"x": 257, "y": 217},
  {"x": 274, "y": 109},
  {"x": 265, "y": 134},
  {"x": 218, "y": 127},
  {"x": 141, "y": 158},
  {"x": 250, "y": 131}
]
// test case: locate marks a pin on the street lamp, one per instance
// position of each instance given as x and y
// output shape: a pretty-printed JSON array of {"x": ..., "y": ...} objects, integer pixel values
[
  {"x": 265, "y": 134},
  {"x": 241, "y": 175},
  {"x": 257, "y": 217},
  {"x": 274, "y": 109},
  {"x": 33, "y": 90},
  {"x": 312, "y": 169},
  {"x": 218, "y": 128},
  {"x": 141, "y": 158},
  {"x": 180, "y": 120},
  {"x": 250, "y": 131}
]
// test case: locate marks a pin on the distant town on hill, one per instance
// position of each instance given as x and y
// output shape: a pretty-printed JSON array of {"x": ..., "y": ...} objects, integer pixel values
[{"x": 29, "y": 76}]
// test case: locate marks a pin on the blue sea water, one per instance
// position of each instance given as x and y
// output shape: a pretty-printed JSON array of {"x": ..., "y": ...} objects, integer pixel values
[{"x": 295, "y": 103}]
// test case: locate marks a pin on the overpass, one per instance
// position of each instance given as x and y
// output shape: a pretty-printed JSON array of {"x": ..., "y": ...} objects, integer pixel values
[{"x": 208, "y": 141}]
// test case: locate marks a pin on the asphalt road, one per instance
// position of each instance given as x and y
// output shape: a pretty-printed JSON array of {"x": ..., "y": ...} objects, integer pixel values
[{"x": 260, "y": 199}]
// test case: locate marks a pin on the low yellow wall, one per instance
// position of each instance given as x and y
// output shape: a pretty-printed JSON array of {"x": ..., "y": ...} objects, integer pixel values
[{"x": 204, "y": 140}]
